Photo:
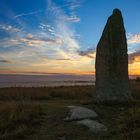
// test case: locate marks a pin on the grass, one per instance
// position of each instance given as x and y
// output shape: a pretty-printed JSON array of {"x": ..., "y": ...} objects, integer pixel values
[
  {"x": 23, "y": 108},
  {"x": 38, "y": 113},
  {"x": 18, "y": 118},
  {"x": 46, "y": 93}
]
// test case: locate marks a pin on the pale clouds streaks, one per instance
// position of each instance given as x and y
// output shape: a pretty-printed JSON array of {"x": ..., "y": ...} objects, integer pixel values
[
  {"x": 63, "y": 31},
  {"x": 53, "y": 45},
  {"x": 90, "y": 52},
  {"x": 9, "y": 28},
  {"x": 134, "y": 57},
  {"x": 72, "y": 19},
  {"x": 133, "y": 38},
  {"x": 4, "y": 61},
  {"x": 26, "y": 14}
]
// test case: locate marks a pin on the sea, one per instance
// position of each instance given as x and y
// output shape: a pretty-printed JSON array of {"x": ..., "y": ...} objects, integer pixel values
[{"x": 52, "y": 80}]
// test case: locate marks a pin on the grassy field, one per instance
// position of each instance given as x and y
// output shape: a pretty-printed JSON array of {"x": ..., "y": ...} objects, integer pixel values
[{"x": 38, "y": 113}]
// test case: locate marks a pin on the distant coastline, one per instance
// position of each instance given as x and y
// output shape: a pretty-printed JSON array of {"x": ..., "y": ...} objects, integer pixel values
[
  {"x": 45, "y": 80},
  {"x": 13, "y": 80}
]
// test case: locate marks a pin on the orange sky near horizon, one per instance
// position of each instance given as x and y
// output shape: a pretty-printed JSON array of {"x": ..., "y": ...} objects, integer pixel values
[
  {"x": 61, "y": 36},
  {"x": 63, "y": 68}
]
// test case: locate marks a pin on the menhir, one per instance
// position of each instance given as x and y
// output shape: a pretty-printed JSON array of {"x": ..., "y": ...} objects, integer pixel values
[{"x": 112, "y": 82}]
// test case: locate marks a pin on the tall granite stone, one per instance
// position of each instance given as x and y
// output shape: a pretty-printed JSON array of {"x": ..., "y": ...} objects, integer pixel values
[{"x": 112, "y": 82}]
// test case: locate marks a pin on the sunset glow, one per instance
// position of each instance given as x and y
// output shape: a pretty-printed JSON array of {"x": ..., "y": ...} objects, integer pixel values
[{"x": 52, "y": 36}]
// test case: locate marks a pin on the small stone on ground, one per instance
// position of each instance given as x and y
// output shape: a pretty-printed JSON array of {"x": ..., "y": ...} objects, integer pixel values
[
  {"x": 93, "y": 125},
  {"x": 79, "y": 113},
  {"x": 62, "y": 138},
  {"x": 85, "y": 116}
]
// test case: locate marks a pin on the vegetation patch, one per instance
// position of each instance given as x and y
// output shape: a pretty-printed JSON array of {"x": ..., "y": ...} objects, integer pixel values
[
  {"x": 38, "y": 113},
  {"x": 18, "y": 119}
]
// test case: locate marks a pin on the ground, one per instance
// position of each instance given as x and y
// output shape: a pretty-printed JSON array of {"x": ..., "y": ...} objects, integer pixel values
[{"x": 38, "y": 113}]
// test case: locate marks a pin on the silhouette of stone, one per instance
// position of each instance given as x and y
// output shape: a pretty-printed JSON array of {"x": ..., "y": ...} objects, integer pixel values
[{"x": 112, "y": 82}]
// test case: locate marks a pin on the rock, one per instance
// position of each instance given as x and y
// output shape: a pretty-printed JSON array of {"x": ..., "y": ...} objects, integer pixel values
[
  {"x": 62, "y": 138},
  {"x": 112, "y": 82},
  {"x": 79, "y": 113},
  {"x": 84, "y": 116},
  {"x": 93, "y": 125}
]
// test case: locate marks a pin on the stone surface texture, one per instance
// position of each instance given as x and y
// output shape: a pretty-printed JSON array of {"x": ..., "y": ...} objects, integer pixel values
[
  {"x": 87, "y": 117},
  {"x": 112, "y": 82},
  {"x": 79, "y": 113},
  {"x": 93, "y": 125}
]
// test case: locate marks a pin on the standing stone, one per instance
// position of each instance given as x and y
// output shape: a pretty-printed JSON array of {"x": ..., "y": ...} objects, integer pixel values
[{"x": 112, "y": 82}]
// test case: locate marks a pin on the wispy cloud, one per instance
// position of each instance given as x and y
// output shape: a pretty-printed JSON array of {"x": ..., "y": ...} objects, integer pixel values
[
  {"x": 134, "y": 57},
  {"x": 52, "y": 46},
  {"x": 63, "y": 30},
  {"x": 133, "y": 38},
  {"x": 62, "y": 59},
  {"x": 5, "y": 61},
  {"x": 27, "y": 14},
  {"x": 46, "y": 27},
  {"x": 9, "y": 28},
  {"x": 72, "y": 5},
  {"x": 90, "y": 52},
  {"x": 31, "y": 40},
  {"x": 72, "y": 19}
]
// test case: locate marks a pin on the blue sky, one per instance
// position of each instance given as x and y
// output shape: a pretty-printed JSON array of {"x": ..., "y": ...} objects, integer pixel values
[{"x": 55, "y": 36}]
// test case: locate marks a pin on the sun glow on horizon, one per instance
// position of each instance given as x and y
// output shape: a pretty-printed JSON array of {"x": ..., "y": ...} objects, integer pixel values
[{"x": 53, "y": 36}]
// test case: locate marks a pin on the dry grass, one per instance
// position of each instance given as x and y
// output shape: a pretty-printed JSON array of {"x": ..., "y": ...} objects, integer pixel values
[
  {"x": 46, "y": 93},
  {"x": 24, "y": 110},
  {"x": 18, "y": 118}
]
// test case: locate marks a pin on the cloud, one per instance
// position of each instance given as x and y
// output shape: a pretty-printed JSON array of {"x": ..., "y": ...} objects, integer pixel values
[
  {"x": 52, "y": 46},
  {"x": 134, "y": 57},
  {"x": 90, "y": 52},
  {"x": 27, "y": 40},
  {"x": 62, "y": 59},
  {"x": 58, "y": 41},
  {"x": 62, "y": 30},
  {"x": 38, "y": 40},
  {"x": 5, "y": 61},
  {"x": 73, "y": 4},
  {"x": 133, "y": 38},
  {"x": 8, "y": 31},
  {"x": 9, "y": 28},
  {"x": 72, "y": 19},
  {"x": 47, "y": 27},
  {"x": 26, "y": 14}
]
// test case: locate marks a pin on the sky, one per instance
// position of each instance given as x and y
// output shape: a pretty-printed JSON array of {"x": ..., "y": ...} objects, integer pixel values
[{"x": 60, "y": 36}]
